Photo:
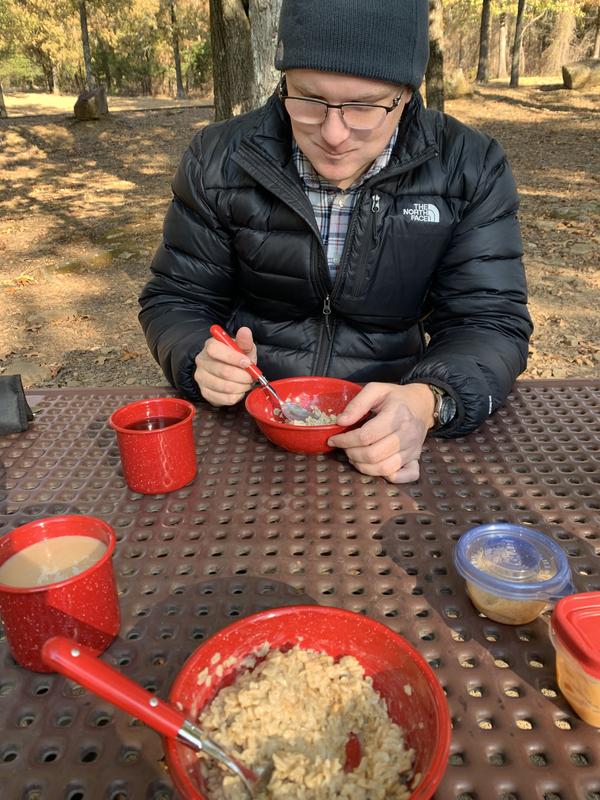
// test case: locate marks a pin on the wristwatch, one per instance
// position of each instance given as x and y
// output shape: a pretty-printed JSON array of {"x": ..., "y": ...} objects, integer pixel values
[{"x": 445, "y": 407}]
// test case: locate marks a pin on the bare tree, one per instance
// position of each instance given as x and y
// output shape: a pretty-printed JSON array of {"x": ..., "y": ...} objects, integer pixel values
[
  {"x": 3, "y": 111},
  {"x": 484, "y": 42},
  {"x": 434, "y": 77},
  {"x": 557, "y": 52},
  {"x": 85, "y": 41},
  {"x": 518, "y": 41},
  {"x": 243, "y": 46},
  {"x": 264, "y": 15},
  {"x": 54, "y": 72},
  {"x": 502, "y": 35},
  {"x": 175, "y": 44},
  {"x": 232, "y": 57}
]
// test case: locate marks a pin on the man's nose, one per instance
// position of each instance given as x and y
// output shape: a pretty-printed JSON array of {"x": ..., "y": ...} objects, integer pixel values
[{"x": 334, "y": 130}]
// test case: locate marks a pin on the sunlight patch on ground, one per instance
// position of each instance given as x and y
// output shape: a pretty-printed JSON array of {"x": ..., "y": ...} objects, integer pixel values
[{"x": 31, "y": 103}]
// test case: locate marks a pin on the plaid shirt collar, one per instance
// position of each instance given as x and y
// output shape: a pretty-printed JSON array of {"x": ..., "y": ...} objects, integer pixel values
[{"x": 312, "y": 180}]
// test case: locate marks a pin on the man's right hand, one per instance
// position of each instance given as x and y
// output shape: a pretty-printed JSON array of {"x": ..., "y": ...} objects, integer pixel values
[{"x": 220, "y": 370}]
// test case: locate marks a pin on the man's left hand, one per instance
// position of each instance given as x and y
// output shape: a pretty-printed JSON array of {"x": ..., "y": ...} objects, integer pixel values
[{"x": 390, "y": 443}]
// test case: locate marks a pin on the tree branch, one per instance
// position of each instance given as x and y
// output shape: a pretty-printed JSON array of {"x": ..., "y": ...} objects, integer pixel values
[{"x": 535, "y": 19}]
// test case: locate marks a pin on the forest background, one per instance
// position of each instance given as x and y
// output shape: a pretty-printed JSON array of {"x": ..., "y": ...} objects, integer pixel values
[{"x": 83, "y": 204}]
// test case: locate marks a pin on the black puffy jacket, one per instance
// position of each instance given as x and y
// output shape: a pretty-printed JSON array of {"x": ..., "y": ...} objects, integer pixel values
[{"x": 430, "y": 288}]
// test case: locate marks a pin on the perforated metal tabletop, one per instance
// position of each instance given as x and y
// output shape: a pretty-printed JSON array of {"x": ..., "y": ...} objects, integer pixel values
[{"x": 260, "y": 528}]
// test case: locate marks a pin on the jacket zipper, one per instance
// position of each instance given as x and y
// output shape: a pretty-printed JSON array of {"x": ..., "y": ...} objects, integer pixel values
[
  {"x": 326, "y": 335},
  {"x": 327, "y": 314},
  {"x": 361, "y": 268},
  {"x": 325, "y": 341},
  {"x": 374, "y": 208}
]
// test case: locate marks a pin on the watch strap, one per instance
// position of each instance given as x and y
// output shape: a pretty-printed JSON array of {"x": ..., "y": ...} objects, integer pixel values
[{"x": 438, "y": 396}]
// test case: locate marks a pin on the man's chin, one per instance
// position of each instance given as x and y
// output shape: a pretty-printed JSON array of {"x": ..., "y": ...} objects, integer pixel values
[{"x": 334, "y": 173}]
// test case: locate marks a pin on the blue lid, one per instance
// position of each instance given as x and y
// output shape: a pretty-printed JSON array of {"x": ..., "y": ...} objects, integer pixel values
[{"x": 514, "y": 562}]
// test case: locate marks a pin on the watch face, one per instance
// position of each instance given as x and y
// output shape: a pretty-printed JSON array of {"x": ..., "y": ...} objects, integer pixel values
[{"x": 447, "y": 410}]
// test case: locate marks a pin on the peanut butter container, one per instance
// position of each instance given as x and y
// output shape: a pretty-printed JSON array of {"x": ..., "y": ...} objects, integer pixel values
[{"x": 575, "y": 634}]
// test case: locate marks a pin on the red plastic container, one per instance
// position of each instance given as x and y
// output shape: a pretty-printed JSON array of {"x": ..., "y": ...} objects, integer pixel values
[
  {"x": 391, "y": 661},
  {"x": 83, "y": 607},
  {"x": 158, "y": 460},
  {"x": 328, "y": 394},
  {"x": 575, "y": 634}
]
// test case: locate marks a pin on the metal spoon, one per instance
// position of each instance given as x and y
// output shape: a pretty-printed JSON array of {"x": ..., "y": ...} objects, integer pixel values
[
  {"x": 79, "y": 663},
  {"x": 291, "y": 411}
]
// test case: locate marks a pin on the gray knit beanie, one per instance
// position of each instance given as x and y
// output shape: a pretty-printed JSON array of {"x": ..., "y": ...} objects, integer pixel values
[{"x": 385, "y": 40}]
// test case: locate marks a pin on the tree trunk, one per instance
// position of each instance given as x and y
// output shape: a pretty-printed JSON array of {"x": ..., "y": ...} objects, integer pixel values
[
  {"x": 557, "y": 52},
  {"x": 55, "y": 86},
  {"x": 107, "y": 77},
  {"x": 484, "y": 42},
  {"x": 516, "y": 53},
  {"x": 3, "y": 111},
  {"x": 175, "y": 41},
  {"x": 147, "y": 78},
  {"x": 232, "y": 58},
  {"x": 85, "y": 41},
  {"x": 264, "y": 16},
  {"x": 434, "y": 76},
  {"x": 596, "y": 51},
  {"x": 502, "y": 31}
]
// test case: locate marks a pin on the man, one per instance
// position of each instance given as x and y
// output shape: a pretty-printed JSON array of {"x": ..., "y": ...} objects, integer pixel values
[{"x": 344, "y": 230}]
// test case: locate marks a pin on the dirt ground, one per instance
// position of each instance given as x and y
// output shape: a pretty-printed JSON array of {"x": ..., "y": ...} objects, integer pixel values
[{"x": 82, "y": 206}]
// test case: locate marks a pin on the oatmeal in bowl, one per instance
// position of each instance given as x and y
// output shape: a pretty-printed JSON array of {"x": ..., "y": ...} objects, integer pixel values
[
  {"x": 300, "y": 709},
  {"x": 341, "y": 705}
]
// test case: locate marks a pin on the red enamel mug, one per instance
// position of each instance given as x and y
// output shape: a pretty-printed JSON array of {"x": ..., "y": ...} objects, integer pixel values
[
  {"x": 156, "y": 443},
  {"x": 83, "y": 606}
]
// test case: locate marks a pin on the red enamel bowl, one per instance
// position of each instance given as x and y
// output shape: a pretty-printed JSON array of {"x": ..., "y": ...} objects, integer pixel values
[
  {"x": 331, "y": 395},
  {"x": 389, "y": 659}
]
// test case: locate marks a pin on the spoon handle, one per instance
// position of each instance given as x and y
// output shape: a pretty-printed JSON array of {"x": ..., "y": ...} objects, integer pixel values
[
  {"x": 79, "y": 663},
  {"x": 217, "y": 332}
]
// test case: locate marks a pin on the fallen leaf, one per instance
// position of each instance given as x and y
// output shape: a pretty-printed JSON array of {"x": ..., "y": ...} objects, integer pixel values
[
  {"x": 24, "y": 280},
  {"x": 127, "y": 355}
]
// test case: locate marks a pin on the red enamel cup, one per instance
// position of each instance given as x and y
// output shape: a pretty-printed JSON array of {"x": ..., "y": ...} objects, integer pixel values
[
  {"x": 83, "y": 607},
  {"x": 156, "y": 442}
]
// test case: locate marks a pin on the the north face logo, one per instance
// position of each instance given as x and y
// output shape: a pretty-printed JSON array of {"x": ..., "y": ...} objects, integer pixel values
[{"x": 422, "y": 212}]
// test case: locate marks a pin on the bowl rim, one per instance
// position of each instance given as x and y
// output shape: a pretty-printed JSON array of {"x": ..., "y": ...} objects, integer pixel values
[{"x": 428, "y": 784}]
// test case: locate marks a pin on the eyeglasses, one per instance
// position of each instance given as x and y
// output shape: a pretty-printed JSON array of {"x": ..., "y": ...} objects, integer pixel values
[{"x": 358, "y": 116}]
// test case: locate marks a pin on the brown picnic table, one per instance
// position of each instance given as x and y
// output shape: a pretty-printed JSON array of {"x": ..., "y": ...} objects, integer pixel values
[{"x": 261, "y": 527}]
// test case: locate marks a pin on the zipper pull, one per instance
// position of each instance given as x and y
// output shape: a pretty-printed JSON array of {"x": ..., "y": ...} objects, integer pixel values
[
  {"x": 327, "y": 314},
  {"x": 374, "y": 210}
]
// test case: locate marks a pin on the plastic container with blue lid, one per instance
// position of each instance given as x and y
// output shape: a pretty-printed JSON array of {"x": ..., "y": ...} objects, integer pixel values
[{"x": 512, "y": 573}]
